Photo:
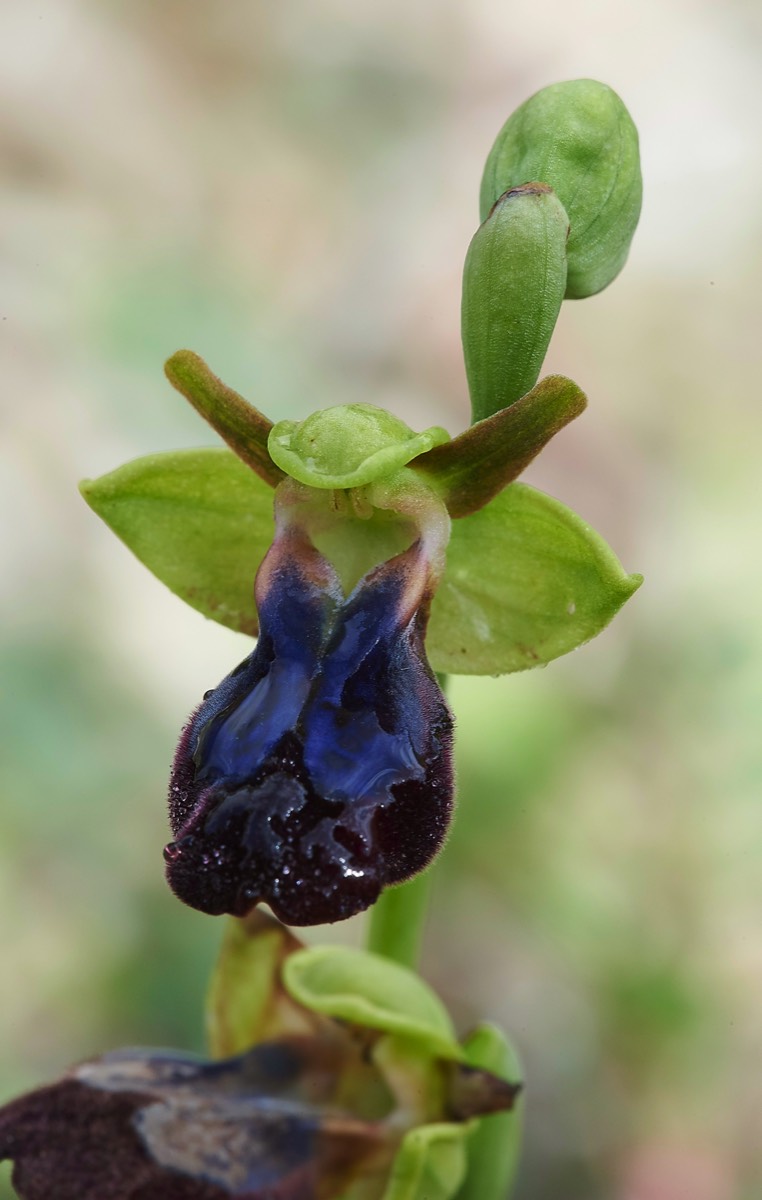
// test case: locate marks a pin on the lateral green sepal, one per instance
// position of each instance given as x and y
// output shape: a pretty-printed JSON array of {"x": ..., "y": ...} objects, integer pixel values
[
  {"x": 526, "y": 581},
  {"x": 237, "y": 422},
  {"x": 474, "y": 467},
  {"x": 200, "y": 520}
]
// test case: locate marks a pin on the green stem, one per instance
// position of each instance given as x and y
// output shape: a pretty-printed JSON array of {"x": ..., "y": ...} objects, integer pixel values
[
  {"x": 397, "y": 920},
  {"x": 398, "y": 917}
]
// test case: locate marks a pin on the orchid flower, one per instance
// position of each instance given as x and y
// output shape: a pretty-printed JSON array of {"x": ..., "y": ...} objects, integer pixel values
[{"x": 319, "y": 771}]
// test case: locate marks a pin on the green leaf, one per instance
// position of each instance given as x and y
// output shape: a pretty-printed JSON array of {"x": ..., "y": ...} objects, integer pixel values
[
  {"x": 474, "y": 467},
  {"x": 199, "y": 519},
  {"x": 494, "y": 1142},
  {"x": 246, "y": 1001},
  {"x": 579, "y": 138},
  {"x": 348, "y": 446},
  {"x": 237, "y": 422},
  {"x": 429, "y": 1165},
  {"x": 526, "y": 581},
  {"x": 513, "y": 284},
  {"x": 368, "y": 990}
]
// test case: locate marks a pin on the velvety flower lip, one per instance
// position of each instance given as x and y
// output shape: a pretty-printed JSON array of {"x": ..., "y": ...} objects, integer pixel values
[
  {"x": 146, "y": 1125},
  {"x": 319, "y": 771}
]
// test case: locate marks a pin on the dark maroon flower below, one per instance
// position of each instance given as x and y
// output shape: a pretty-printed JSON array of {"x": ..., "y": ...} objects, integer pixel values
[
  {"x": 319, "y": 771},
  {"x": 145, "y": 1126},
  {"x": 271, "y": 1124}
]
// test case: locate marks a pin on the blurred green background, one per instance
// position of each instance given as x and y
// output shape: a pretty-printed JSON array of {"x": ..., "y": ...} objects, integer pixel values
[{"x": 289, "y": 190}]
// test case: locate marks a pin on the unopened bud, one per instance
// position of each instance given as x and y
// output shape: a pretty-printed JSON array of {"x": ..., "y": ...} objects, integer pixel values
[
  {"x": 578, "y": 138},
  {"x": 513, "y": 284}
]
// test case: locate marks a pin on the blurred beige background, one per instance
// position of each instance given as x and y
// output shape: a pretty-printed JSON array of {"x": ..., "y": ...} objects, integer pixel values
[{"x": 289, "y": 190}]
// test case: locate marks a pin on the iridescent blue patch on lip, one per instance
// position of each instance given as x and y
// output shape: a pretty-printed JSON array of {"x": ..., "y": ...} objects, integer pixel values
[{"x": 319, "y": 771}]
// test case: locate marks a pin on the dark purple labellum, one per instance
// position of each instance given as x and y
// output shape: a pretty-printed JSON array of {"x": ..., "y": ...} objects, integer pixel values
[{"x": 319, "y": 771}]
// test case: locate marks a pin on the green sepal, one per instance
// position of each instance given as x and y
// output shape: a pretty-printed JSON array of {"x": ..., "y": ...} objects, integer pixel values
[
  {"x": 513, "y": 284},
  {"x": 474, "y": 467},
  {"x": 237, "y": 422},
  {"x": 494, "y": 1142},
  {"x": 348, "y": 446},
  {"x": 579, "y": 138},
  {"x": 430, "y": 1164},
  {"x": 368, "y": 990},
  {"x": 246, "y": 1001},
  {"x": 526, "y": 581},
  {"x": 199, "y": 519}
]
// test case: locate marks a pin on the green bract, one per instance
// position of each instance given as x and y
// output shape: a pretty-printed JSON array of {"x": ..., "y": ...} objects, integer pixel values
[
  {"x": 246, "y": 1001},
  {"x": 513, "y": 284},
  {"x": 347, "y": 446},
  {"x": 578, "y": 138}
]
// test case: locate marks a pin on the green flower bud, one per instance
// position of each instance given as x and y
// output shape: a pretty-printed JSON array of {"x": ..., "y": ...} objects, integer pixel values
[
  {"x": 513, "y": 284},
  {"x": 579, "y": 138}
]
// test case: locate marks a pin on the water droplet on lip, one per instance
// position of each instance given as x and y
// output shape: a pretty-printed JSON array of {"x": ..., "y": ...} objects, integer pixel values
[{"x": 172, "y": 852}]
